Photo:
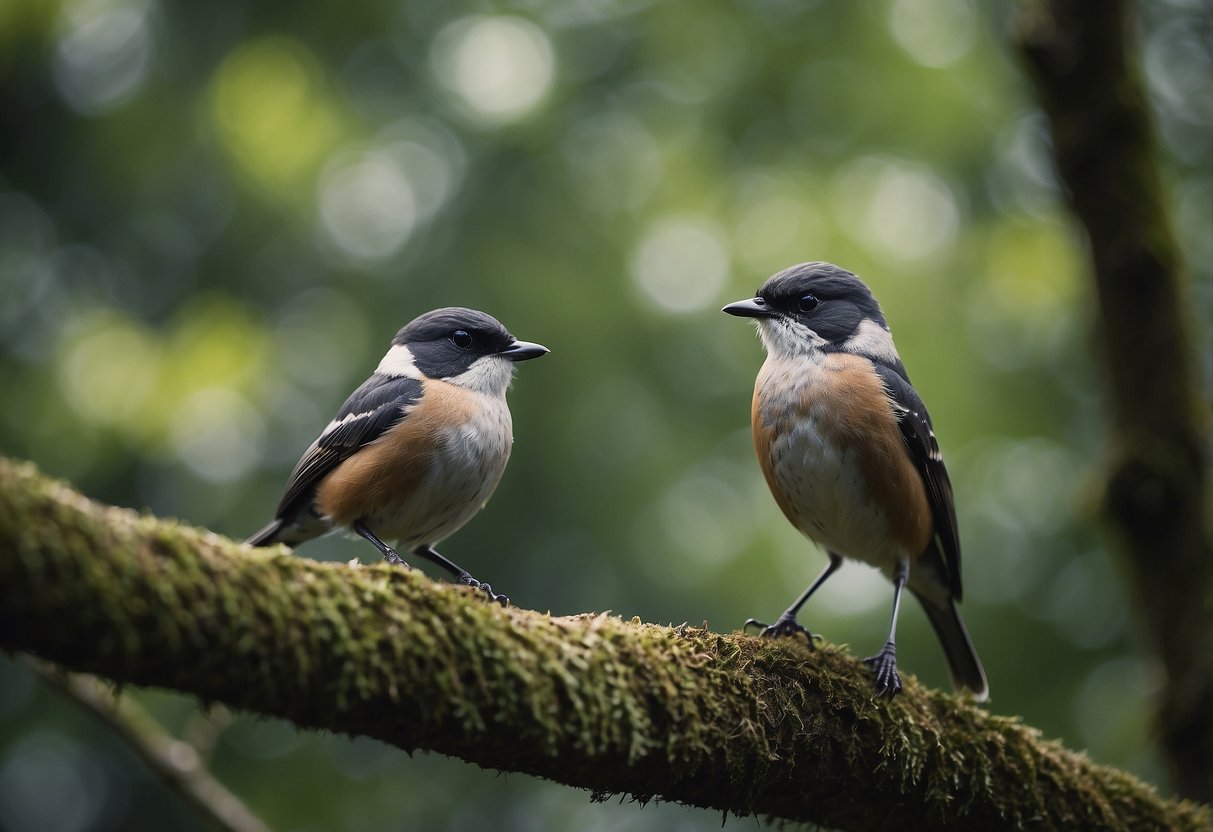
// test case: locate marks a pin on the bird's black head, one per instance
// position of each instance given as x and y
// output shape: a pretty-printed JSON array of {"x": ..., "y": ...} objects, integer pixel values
[
  {"x": 817, "y": 306},
  {"x": 460, "y": 345}
]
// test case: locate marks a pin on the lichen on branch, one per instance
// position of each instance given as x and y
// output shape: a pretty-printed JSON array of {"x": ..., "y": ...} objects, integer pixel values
[{"x": 728, "y": 722}]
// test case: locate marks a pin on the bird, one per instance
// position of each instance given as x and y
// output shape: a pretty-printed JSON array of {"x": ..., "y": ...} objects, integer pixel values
[
  {"x": 417, "y": 450},
  {"x": 848, "y": 451}
]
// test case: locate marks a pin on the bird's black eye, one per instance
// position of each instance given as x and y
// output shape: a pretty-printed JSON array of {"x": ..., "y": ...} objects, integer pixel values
[
  {"x": 808, "y": 303},
  {"x": 461, "y": 339}
]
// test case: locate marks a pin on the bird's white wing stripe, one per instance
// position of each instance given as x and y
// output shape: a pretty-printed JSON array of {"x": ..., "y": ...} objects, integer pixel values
[{"x": 345, "y": 420}]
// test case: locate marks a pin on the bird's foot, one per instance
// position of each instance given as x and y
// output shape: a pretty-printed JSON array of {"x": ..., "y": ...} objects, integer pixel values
[
  {"x": 786, "y": 625},
  {"x": 391, "y": 557},
  {"x": 884, "y": 668},
  {"x": 467, "y": 580}
]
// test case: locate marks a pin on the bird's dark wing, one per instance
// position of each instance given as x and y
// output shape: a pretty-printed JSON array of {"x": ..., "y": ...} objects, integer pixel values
[
  {"x": 915, "y": 425},
  {"x": 371, "y": 410}
]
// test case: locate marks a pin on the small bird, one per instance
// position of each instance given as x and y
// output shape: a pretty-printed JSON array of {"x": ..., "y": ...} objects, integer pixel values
[
  {"x": 847, "y": 449},
  {"x": 416, "y": 450}
]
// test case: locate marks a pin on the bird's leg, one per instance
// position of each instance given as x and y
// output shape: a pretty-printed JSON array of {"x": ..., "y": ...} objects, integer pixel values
[
  {"x": 389, "y": 554},
  {"x": 462, "y": 576},
  {"x": 884, "y": 663},
  {"x": 786, "y": 624}
]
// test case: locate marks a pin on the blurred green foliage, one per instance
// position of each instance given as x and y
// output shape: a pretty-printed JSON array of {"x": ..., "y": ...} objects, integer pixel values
[{"x": 213, "y": 217}]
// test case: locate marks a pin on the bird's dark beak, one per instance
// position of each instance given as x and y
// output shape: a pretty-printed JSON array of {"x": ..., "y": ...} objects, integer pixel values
[
  {"x": 752, "y": 308},
  {"x": 523, "y": 351}
]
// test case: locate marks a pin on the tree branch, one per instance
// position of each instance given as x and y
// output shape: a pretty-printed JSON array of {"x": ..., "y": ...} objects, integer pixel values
[
  {"x": 727, "y": 722},
  {"x": 176, "y": 762},
  {"x": 1158, "y": 494}
]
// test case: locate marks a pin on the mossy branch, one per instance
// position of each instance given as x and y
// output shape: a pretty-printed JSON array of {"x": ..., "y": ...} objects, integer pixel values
[
  {"x": 1159, "y": 495},
  {"x": 728, "y": 722}
]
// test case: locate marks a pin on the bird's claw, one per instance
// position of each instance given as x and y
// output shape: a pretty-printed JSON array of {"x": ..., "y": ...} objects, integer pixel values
[
  {"x": 786, "y": 625},
  {"x": 391, "y": 557},
  {"x": 467, "y": 580},
  {"x": 762, "y": 626},
  {"x": 884, "y": 668}
]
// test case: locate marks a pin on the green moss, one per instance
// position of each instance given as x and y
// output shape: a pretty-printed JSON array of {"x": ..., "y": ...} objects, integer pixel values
[{"x": 723, "y": 721}]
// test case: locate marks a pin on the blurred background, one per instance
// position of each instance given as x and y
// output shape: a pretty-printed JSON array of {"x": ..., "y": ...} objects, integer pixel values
[{"x": 213, "y": 218}]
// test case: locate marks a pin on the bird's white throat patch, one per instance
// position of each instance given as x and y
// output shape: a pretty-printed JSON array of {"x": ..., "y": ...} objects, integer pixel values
[
  {"x": 490, "y": 374},
  {"x": 787, "y": 338},
  {"x": 784, "y": 337}
]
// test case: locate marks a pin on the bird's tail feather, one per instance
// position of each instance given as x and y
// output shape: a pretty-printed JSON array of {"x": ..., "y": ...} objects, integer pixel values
[
  {"x": 963, "y": 663},
  {"x": 268, "y": 535},
  {"x": 291, "y": 530}
]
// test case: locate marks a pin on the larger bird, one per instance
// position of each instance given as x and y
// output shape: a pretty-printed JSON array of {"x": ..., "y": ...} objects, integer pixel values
[
  {"x": 416, "y": 450},
  {"x": 847, "y": 449}
]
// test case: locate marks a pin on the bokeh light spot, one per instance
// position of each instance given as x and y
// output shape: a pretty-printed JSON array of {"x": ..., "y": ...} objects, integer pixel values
[
  {"x": 1020, "y": 176},
  {"x": 433, "y": 175},
  {"x": 499, "y": 67},
  {"x": 218, "y": 434},
  {"x": 856, "y": 589},
  {"x": 704, "y": 517},
  {"x": 681, "y": 263},
  {"x": 1178, "y": 66},
  {"x": 367, "y": 206},
  {"x": 934, "y": 33},
  {"x": 108, "y": 369},
  {"x": 102, "y": 53},
  {"x": 901, "y": 210},
  {"x": 48, "y": 784},
  {"x": 274, "y": 117},
  {"x": 1028, "y": 482}
]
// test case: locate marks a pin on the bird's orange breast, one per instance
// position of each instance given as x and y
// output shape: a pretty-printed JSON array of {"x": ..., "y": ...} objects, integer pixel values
[
  {"x": 398, "y": 467},
  {"x": 832, "y": 454}
]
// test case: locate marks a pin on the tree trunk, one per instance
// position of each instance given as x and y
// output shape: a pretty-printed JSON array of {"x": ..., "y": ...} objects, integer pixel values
[{"x": 1158, "y": 497}]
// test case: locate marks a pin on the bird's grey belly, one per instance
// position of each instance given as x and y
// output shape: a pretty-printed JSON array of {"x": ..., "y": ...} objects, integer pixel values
[
  {"x": 466, "y": 468},
  {"x": 826, "y": 491}
]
